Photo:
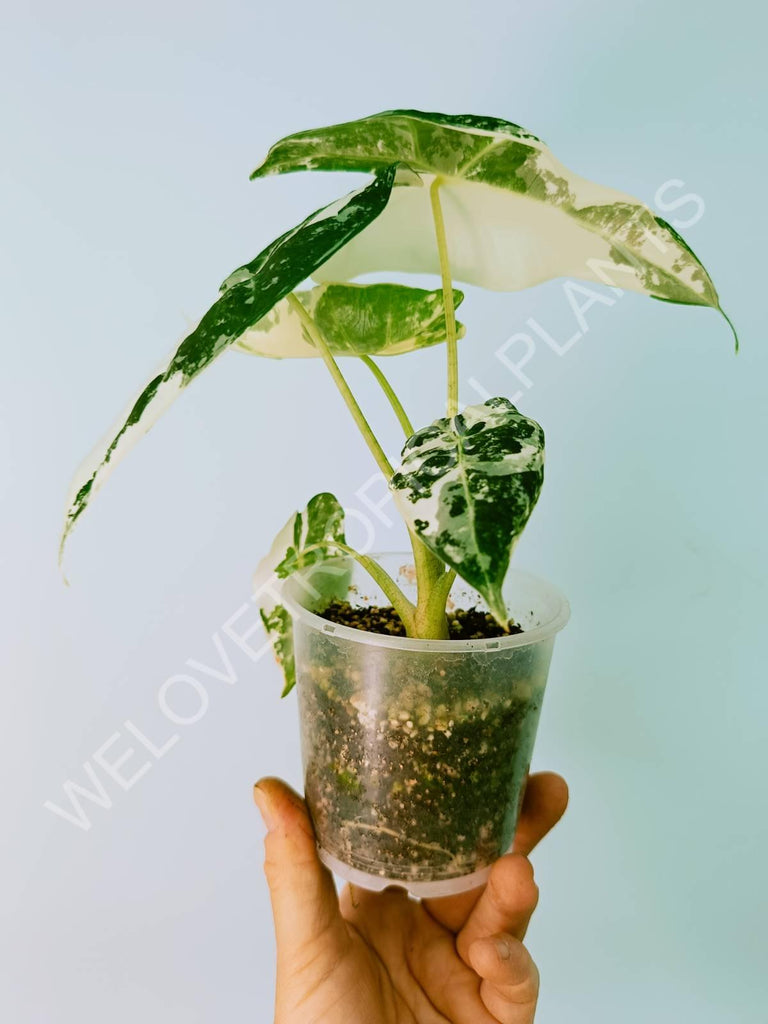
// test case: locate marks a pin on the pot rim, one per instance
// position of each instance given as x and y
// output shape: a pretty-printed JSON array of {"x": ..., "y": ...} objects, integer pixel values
[{"x": 556, "y": 621}]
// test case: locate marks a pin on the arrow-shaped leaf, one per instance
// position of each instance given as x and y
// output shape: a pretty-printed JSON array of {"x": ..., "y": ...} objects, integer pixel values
[
  {"x": 514, "y": 215},
  {"x": 467, "y": 487},
  {"x": 313, "y": 534},
  {"x": 355, "y": 319},
  {"x": 247, "y": 295}
]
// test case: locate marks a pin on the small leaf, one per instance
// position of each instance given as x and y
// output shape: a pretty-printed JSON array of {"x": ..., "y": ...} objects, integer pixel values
[
  {"x": 317, "y": 531},
  {"x": 355, "y": 319},
  {"x": 307, "y": 538},
  {"x": 514, "y": 215},
  {"x": 467, "y": 487},
  {"x": 247, "y": 295},
  {"x": 277, "y": 622}
]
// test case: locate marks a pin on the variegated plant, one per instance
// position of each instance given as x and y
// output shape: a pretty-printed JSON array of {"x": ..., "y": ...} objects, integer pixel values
[{"x": 473, "y": 199}]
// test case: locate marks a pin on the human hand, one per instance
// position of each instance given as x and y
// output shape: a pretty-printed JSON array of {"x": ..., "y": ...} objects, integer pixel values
[{"x": 386, "y": 958}]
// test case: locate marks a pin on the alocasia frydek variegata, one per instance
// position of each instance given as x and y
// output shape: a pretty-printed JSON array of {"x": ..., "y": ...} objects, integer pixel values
[{"x": 474, "y": 199}]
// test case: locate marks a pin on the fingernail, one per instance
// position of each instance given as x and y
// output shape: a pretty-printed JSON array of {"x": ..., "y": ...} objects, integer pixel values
[
  {"x": 260, "y": 799},
  {"x": 502, "y": 948}
]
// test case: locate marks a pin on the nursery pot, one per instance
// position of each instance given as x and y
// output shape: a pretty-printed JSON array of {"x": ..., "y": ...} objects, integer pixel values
[{"x": 416, "y": 752}]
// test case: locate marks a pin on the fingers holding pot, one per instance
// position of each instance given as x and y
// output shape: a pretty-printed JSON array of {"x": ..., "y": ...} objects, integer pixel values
[
  {"x": 505, "y": 905},
  {"x": 510, "y": 980}
]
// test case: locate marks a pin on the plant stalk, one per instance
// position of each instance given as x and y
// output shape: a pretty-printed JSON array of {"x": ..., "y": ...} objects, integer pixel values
[
  {"x": 452, "y": 405},
  {"x": 321, "y": 345},
  {"x": 404, "y": 608},
  {"x": 427, "y": 619},
  {"x": 428, "y": 566},
  {"x": 431, "y": 622},
  {"x": 392, "y": 398}
]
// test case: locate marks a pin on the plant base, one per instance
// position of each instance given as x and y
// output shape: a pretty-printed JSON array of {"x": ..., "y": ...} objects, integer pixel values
[{"x": 416, "y": 752}]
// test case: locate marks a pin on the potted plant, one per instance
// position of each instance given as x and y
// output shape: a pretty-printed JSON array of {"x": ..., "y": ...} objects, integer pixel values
[{"x": 420, "y": 676}]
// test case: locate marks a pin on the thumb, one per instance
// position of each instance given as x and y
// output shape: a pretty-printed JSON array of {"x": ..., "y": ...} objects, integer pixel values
[{"x": 304, "y": 901}]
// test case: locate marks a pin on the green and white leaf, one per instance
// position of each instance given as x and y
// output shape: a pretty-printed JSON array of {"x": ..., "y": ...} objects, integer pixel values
[
  {"x": 307, "y": 538},
  {"x": 355, "y": 319},
  {"x": 514, "y": 215},
  {"x": 279, "y": 625},
  {"x": 246, "y": 296},
  {"x": 316, "y": 534},
  {"x": 467, "y": 487}
]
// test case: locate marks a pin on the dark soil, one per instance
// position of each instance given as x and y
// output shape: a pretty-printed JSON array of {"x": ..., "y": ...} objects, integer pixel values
[{"x": 463, "y": 624}]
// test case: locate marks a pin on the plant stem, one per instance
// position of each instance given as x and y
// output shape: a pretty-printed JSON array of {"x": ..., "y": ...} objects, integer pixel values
[
  {"x": 428, "y": 567},
  {"x": 319, "y": 342},
  {"x": 431, "y": 619},
  {"x": 427, "y": 619},
  {"x": 434, "y": 582},
  {"x": 404, "y": 608},
  {"x": 450, "y": 311},
  {"x": 394, "y": 401}
]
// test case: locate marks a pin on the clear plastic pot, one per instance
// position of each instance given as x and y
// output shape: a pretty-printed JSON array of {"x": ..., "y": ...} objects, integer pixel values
[{"x": 416, "y": 752}]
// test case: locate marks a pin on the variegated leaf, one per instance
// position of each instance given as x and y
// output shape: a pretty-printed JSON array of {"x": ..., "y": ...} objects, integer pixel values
[
  {"x": 317, "y": 531},
  {"x": 467, "y": 487},
  {"x": 279, "y": 625},
  {"x": 514, "y": 215},
  {"x": 355, "y": 319},
  {"x": 247, "y": 295},
  {"x": 308, "y": 537}
]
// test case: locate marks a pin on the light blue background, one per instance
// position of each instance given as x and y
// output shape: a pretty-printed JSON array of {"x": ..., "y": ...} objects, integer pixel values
[{"x": 128, "y": 134}]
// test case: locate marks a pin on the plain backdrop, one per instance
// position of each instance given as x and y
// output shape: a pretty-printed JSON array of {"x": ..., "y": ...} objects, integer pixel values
[{"x": 128, "y": 132}]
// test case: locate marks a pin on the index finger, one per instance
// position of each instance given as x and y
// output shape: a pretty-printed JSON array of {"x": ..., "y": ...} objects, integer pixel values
[{"x": 544, "y": 804}]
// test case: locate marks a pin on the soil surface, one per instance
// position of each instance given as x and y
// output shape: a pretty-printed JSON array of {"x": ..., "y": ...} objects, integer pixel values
[{"x": 463, "y": 624}]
